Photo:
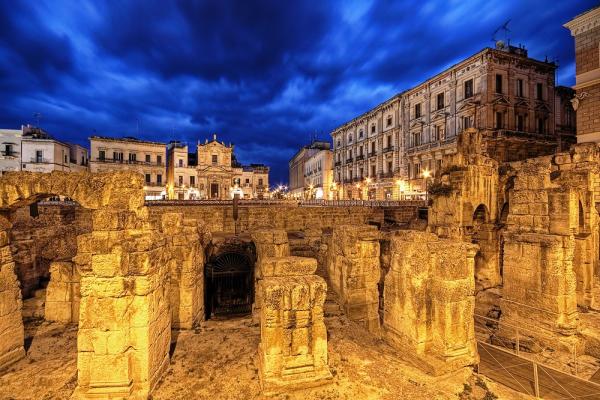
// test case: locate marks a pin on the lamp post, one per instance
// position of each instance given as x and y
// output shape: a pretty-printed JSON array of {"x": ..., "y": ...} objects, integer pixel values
[
  {"x": 426, "y": 175},
  {"x": 400, "y": 184}
]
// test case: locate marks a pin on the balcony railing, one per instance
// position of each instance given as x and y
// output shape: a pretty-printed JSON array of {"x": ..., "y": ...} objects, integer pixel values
[
  {"x": 349, "y": 160},
  {"x": 134, "y": 162},
  {"x": 152, "y": 183},
  {"x": 372, "y": 154},
  {"x": 360, "y": 157},
  {"x": 9, "y": 153},
  {"x": 338, "y": 163},
  {"x": 40, "y": 161},
  {"x": 388, "y": 149}
]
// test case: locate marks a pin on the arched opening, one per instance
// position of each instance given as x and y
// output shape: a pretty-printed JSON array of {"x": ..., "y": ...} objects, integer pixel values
[
  {"x": 42, "y": 236},
  {"x": 229, "y": 284}
]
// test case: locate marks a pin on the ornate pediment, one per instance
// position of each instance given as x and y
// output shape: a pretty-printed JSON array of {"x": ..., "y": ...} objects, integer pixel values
[
  {"x": 521, "y": 102},
  {"x": 418, "y": 122},
  {"x": 542, "y": 106},
  {"x": 501, "y": 99}
]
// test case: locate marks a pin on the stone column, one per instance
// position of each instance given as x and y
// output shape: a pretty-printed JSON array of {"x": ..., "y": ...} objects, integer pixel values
[
  {"x": 354, "y": 271},
  {"x": 429, "y": 301},
  {"x": 124, "y": 324},
  {"x": 12, "y": 334},
  {"x": 63, "y": 293},
  {"x": 293, "y": 347}
]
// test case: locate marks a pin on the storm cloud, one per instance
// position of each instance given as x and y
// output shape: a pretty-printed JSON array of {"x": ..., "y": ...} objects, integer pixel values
[{"x": 265, "y": 75}]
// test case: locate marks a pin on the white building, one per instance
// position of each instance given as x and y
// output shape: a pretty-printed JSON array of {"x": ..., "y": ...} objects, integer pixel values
[
  {"x": 131, "y": 154},
  {"x": 318, "y": 174},
  {"x": 32, "y": 149}
]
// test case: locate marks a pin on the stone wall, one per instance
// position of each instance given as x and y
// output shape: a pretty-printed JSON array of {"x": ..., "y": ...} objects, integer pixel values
[
  {"x": 63, "y": 293},
  {"x": 51, "y": 236},
  {"x": 290, "y": 218},
  {"x": 353, "y": 269},
  {"x": 429, "y": 301}
]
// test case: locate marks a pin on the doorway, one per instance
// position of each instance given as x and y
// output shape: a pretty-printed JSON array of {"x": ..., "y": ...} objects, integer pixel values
[
  {"x": 214, "y": 190},
  {"x": 229, "y": 285}
]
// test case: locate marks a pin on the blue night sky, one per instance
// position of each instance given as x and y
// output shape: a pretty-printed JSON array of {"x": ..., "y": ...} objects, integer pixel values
[{"x": 264, "y": 75}]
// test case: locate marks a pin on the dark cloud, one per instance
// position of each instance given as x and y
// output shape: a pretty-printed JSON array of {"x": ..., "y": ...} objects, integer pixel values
[{"x": 265, "y": 75}]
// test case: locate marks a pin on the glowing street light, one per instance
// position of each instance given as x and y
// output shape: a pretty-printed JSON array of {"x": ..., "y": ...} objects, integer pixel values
[{"x": 368, "y": 180}]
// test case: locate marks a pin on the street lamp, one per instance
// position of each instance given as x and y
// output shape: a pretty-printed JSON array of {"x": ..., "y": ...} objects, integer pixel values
[
  {"x": 400, "y": 184},
  {"x": 426, "y": 175}
]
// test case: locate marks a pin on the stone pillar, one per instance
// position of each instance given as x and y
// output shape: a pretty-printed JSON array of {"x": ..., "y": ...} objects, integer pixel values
[
  {"x": 186, "y": 269},
  {"x": 429, "y": 301},
  {"x": 12, "y": 334},
  {"x": 293, "y": 347},
  {"x": 354, "y": 271},
  {"x": 63, "y": 293},
  {"x": 124, "y": 325}
]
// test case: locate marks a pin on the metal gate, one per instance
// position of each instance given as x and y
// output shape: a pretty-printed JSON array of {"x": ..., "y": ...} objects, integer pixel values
[{"x": 229, "y": 285}]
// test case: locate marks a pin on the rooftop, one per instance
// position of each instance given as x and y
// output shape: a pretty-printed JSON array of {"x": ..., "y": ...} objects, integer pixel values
[{"x": 127, "y": 139}]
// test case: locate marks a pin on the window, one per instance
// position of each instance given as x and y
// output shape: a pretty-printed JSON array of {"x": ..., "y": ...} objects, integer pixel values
[
  {"x": 360, "y": 151},
  {"x": 132, "y": 157},
  {"x": 102, "y": 155},
  {"x": 180, "y": 162},
  {"x": 338, "y": 143},
  {"x": 373, "y": 170},
  {"x": 389, "y": 167},
  {"x": 117, "y": 156},
  {"x": 436, "y": 132},
  {"x": 438, "y": 165},
  {"x": 361, "y": 173},
  {"x": 498, "y": 83},
  {"x": 260, "y": 181},
  {"x": 350, "y": 174},
  {"x": 389, "y": 120},
  {"x": 372, "y": 147},
  {"x": 8, "y": 150},
  {"x": 159, "y": 179},
  {"x": 389, "y": 141},
  {"x": 520, "y": 123},
  {"x": 192, "y": 181},
  {"x": 66, "y": 159},
  {"x": 159, "y": 160},
  {"x": 360, "y": 134},
  {"x": 468, "y": 88},
  {"x": 417, "y": 110},
  {"x": 520, "y": 87},
  {"x": 247, "y": 180},
  {"x": 541, "y": 125},
  {"x": 416, "y": 138},
  {"x": 499, "y": 120},
  {"x": 180, "y": 179},
  {"x": 440, "y": 101},
  {"x": 466, "y": 122},
  {"x": 349, "y": 138},
  {"x": 539, "y": 91},
  {"x": 215, "y": 159},
  {"x": 148, "y": 178},
  {"x": 373, "y": 128},
  {"x": 417, "y": 170},
  {"x": 148, "y": 158},
  {"x": 39, "y": 155}
]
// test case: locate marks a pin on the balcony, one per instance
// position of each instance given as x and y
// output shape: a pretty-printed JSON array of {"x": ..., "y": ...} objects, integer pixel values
[
  {"x": 360, "y": 157},
  {"x": 131, "y": 162},
  {"x": 385, "y": 175},
  {"x": 349, "y": 160},
  {"x": 37, "y": 160},
  {"x": 154, "y": 184},
  {"x": 372, "y": 154},
  {"x": 338, "y": 163},
  {"x": 388, "y": 149},
  {"x": 9, "y": 153}
]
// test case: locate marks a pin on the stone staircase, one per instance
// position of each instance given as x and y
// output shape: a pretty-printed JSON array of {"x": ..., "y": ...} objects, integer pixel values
[{"x": 34, "y": 307}]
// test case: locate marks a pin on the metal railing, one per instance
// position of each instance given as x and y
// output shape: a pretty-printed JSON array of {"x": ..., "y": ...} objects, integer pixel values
[
  {"x": 290, "y": 203},
  {"x": 134, "y": 162}
]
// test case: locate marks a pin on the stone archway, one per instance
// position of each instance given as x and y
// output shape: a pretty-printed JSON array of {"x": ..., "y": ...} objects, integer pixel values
[{"x": 124, "y": 322}]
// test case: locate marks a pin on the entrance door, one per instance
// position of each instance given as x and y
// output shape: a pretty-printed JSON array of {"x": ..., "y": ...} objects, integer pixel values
[
  {"x": 229, "y": 285},
  {"x": 214, "y": 190}
]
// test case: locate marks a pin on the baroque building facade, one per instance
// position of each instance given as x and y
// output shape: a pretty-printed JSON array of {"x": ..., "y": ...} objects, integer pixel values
[
  {"x": 390, "y": 151},
  {"x": 298, "y": 184},
  {"x": 318, "y": 173},
  {"x": 213, "y": 173}
]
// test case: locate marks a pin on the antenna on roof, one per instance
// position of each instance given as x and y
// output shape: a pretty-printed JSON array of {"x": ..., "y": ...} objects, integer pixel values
[
  {"x": 37, "y": 117},
  {"x": 501, "y": 44}
]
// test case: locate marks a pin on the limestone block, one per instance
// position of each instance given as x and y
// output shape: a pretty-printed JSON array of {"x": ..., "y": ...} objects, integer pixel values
[
  {"x": 288, "y": 266},
  {"x": 293, "y": 348}
]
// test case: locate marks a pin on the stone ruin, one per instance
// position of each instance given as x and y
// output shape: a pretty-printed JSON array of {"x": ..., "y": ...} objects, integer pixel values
[{"x": 514, "y": 242}]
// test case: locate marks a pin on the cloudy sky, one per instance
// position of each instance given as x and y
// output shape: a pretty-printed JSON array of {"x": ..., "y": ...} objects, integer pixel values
[{"x": 265, "y": 75}]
